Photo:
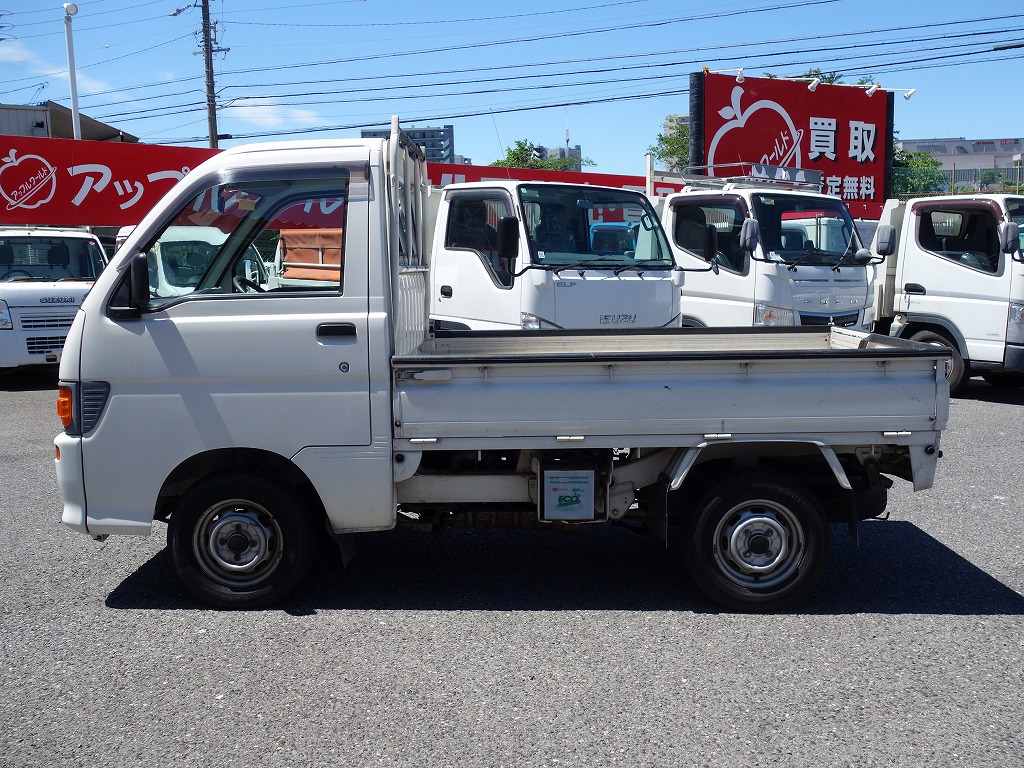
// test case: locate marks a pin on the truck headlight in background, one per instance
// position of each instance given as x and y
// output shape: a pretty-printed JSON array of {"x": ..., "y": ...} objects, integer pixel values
[
  {"x": 6, "y": 321},
  {"x": 530, "y": 322},
  {"x": 765, "y": 315},
  {"x": 1015, "y": 324}
]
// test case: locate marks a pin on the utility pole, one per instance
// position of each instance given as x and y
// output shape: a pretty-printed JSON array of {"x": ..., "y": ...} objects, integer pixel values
[{"x": 208, "y": 51}]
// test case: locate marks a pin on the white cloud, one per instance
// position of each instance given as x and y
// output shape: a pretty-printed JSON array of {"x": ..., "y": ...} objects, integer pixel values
[{"x": 266, "y": 115}]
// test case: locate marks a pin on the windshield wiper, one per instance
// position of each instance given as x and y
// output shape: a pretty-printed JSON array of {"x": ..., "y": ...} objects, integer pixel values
[
  {"x": 792, "y": 265},
  {"x": 583, "y": 264},
  {"x": 641, "y": 266}
]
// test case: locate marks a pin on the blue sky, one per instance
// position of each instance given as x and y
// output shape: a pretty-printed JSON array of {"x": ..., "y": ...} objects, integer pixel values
[{"x": 606, "y": 71}]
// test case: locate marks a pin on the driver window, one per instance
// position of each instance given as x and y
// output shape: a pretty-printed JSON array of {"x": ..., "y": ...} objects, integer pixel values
[
  {"x": 472, "y": 225},
  {"x": 691, "y": 219},
  {"x": 252, "y": 238},
  {"x": 966, "y": 236}
]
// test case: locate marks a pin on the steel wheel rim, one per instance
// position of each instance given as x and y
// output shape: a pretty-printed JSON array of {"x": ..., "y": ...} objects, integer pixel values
[
  {"x": 758, "y": 544},
  {"x": 237, "y": 543}
]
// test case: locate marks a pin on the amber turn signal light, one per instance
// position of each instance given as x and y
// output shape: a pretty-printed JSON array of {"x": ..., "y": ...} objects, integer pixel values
[{"x": 65, "y": 409}]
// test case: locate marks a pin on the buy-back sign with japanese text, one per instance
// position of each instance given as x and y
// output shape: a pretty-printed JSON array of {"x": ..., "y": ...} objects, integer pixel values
[{"x": 842, "y": 131}]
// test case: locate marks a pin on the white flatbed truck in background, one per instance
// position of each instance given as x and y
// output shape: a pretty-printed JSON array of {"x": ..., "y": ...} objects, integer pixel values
[
  {"x": 44, "y": 274},
  {"x": 786, "y": 255},
  {"x": 954, "y": 276},
  {"x": 253, "y": 419}
]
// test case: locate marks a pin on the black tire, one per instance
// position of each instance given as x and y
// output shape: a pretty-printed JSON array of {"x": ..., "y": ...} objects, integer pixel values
[
  {"x": 238, "y": 540},
  {"x": 757, "y": 541},
  {"x": 957, "y": 374},
  {"x": 1004, "y": 379}
]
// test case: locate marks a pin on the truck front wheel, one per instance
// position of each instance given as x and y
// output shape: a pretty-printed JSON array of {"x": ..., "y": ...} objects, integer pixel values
[
  {"x": 757, "y": 542},
  {"x": 239, "y": 540}
]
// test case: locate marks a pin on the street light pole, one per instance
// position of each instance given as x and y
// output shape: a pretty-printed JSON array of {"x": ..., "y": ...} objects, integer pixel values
[{"x": 70, "y": 9}]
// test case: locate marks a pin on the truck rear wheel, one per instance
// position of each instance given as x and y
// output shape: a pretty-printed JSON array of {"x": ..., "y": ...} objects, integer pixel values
[
  {"x": 238, "y": 540},
  {"x": 956, "y": 375},
  {"x": 757, "y": 542}
]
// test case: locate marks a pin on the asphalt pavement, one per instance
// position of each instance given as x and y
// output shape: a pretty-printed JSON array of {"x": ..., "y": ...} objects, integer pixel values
[{"x": 508, "y": 648}]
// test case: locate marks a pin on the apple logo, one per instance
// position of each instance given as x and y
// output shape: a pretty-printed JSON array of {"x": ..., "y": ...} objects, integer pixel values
[
  {"x": 763, "y": 133},
  {"x": 27, "y": 181}
]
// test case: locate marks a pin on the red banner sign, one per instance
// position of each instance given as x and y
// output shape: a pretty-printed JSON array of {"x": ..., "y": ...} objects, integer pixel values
[{"x": 839, "y": 130}]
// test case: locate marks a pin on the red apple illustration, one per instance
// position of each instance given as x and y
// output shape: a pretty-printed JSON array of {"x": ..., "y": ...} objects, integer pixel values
[
  {"x": 762, "y": 133},
  {"x": 28, "y": 181}
]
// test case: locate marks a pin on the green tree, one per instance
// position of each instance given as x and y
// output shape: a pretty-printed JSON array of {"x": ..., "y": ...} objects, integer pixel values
[
  {"x": 522, "y": 155},
  {"x": 673, "y": 149},
  {"x": 915, "y": 173}
]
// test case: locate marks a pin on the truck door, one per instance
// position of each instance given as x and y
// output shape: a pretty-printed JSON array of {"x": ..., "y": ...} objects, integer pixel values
[
  {"x": 725, "y": 299},
  {"x": 227, "y": 362},
  {"x": 470, "y": 288},
  {"x": 951, "y": 269}
]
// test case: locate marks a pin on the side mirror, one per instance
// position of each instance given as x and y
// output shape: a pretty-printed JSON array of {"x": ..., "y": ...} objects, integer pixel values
[
  {"x": 750, "y": 235},
  {"x": 1009, "y": 236},
  {"x": 862, "y": 257},
  {"x": 508, "y": 240},
  {"x": 885, "y": 240},
  {"x": 711, "y": 246},
  {"x": 138, "y": 281}
]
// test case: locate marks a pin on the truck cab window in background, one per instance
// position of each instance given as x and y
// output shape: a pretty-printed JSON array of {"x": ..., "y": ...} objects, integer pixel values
[
  {"x": 603, "y": 228},
  {"x": 817, "y": 232},
  {"x": 966, "y": 235},
  {"x": 47, "y": 259},
  {"x": 1015, "y": 208},
  {"x": 473, "y": 225},
  {"x": 253, "y": 237},
  {"x": 691, "y": 219}
]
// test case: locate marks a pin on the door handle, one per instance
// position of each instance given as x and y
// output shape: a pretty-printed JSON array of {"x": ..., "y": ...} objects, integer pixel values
[
  {"x": 335, "y": 331},
  {"x": 446, "y": 291},
  {"x": 915, "y": 288}
]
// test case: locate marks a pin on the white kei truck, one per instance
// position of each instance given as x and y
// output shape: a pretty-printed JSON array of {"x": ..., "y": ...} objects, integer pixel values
[
  {"x": 785, "y": 254},
  {"x": 954, "y": 276},
  {"x": 44, "y": 274},
  {"x": 255, "y": 418}
]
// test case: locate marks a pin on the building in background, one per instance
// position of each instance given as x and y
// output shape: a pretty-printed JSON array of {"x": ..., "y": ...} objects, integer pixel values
[
  {"x": 50, "y": 120},
  {"x": 672, "y": 125},
  {"x": 437, "y": 143},
  {"x": 973, "y": 163},
  {"x": 574, "y": 154}
]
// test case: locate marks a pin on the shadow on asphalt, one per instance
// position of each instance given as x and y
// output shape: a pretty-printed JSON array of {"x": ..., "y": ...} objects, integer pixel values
[
  {"x": 31, "y": 379},
  {"x": 897, "y": 569},
  {"x": 983, "y": 392}
]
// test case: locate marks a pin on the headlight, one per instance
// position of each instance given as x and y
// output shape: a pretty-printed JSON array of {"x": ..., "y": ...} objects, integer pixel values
[
  {"x": 6, "y": 321},
  {"x": 765, "y": 315},
  {"x": 530, "y": 322}
]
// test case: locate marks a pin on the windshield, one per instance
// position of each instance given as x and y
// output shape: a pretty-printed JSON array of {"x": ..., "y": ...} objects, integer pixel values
[
  {"x": 584, "y": 226},
  {"x": 816, "y": 231},
  {"x": 43, "y": 258}
]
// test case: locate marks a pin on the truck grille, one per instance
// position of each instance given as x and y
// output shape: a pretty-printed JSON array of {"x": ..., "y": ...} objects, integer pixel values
[
  {"x": 40, "y": 345},
  {"x": 842, "y": 321},
  {"x": 31, "y": 321}
]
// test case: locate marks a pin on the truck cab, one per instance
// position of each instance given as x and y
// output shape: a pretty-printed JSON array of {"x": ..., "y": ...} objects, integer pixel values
[
  {"x": 954, "y": 275},
  {"x": 786, "y": 256},
  {"x": 45, "y": 273},
  {"x": 547, "y": 256}
]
